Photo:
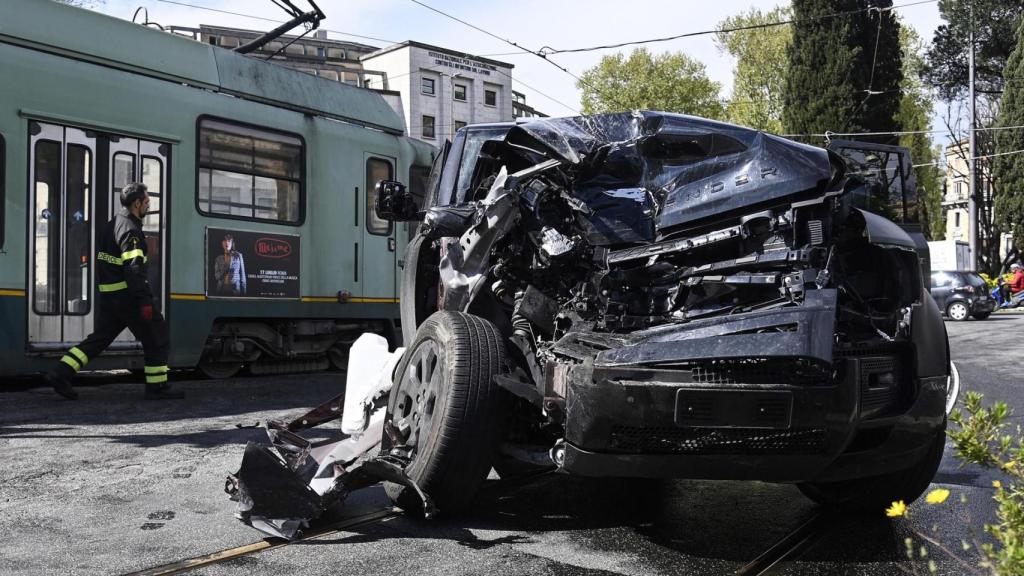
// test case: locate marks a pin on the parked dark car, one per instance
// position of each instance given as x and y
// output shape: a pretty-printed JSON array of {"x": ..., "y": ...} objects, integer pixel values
[
  {"x": 961, "y": 294},
  {"x": 655, "y": 295}
]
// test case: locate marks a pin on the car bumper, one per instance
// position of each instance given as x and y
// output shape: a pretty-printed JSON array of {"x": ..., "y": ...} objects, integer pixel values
[
  {"x": 981, "y": 306},
  {"x": 871, "y": 417}
]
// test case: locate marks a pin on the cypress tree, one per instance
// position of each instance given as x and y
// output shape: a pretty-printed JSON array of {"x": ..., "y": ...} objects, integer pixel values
[
  {"x": 845, "y": 70},
  {"x": 1008, "y": 170}
]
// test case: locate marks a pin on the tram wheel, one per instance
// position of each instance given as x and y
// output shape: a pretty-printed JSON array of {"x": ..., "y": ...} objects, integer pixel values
[{"x": 217, "y": 370}]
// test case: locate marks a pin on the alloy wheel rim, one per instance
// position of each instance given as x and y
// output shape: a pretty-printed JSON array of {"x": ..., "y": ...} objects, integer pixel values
[
  {"x": 418, "y": 392},
  {"x": 958, "y": 311}
]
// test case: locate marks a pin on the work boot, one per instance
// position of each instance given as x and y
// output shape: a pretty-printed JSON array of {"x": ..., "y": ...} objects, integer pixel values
[
  {"x": 162, "y": 392},
  {"x": 61, "y": 385}
]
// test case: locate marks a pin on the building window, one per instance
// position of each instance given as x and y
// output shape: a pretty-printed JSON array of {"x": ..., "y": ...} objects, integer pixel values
[
  {"x": 328, "y": 74},
  {"x": 427, "y": 86},
  {"x": 428, "y": 126},
  {"x": 956, "y": 220},
  {"x": 460, "y": 92},
  {"x": 490, "y": 98},
  {"x": 335, "y": 53},
  {"x": 295, "y": 49},
  {"x": 459, "y": 125},
  {"x": 377, "y": 169},
  {"x": 212, "y": 40},
  {"x": 249, "y": 172}
]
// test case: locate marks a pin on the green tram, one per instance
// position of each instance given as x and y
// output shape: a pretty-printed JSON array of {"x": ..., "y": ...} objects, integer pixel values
[{"x": 244, "y": 160}]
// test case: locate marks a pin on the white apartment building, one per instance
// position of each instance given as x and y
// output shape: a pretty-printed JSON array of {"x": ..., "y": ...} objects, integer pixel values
[{"x": 443, "y": 89}]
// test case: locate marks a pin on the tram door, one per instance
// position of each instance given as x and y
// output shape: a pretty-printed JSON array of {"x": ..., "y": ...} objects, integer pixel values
[
  {"x": 135, "y": 160},
  {"x": 61, "y": 201},
  {"x": 69, "y": 170},
  {"x": 379, "y": 256}
]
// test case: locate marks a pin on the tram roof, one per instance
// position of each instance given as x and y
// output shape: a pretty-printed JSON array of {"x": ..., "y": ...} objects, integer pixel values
[{"x": 93, "y": 37}]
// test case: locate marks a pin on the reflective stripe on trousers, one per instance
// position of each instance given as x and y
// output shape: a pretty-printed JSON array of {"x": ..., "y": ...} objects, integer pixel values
[{"x": 75, "y": 358}]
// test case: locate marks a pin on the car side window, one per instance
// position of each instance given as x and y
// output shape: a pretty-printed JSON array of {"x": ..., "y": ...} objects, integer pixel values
[{"x": 941, "y": 280}]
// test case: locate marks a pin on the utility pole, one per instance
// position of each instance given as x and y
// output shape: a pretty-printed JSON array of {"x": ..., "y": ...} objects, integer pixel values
[{"x": 972, "y": 184}]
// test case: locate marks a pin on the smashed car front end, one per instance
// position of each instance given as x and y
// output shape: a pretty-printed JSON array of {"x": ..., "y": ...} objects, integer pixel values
[{"x": 686, "y": 298}]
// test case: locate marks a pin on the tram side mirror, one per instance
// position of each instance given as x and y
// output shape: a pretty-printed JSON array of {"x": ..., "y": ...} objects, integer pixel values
[{"x": 394, "y": 202}]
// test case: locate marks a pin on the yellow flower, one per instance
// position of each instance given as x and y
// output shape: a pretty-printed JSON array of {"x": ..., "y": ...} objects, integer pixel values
[
  {"x": 898, "y": 508},
  {"x": 997, "y": 484},
  {"x": 937, "y": 496}
]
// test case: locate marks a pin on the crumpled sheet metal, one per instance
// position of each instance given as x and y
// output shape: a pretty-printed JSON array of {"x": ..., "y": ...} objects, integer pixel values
[
  {"x": 691, "y": 167},
  {"x": 281, "y": 488}
]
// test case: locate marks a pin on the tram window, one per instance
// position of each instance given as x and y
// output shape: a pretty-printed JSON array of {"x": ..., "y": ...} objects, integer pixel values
[
  {"x": 152, "y": 177},
  {"x": 248, "y": 172},
  {"x": 377, "y": 169},
  {"x": 77, "y": 226},
  {"x": 124, "y": 174},
  {"x": 46, "y": 264}
]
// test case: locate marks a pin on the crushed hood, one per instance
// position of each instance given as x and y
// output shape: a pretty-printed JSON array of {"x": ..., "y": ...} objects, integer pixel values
[{"x": 642, "y": 173}]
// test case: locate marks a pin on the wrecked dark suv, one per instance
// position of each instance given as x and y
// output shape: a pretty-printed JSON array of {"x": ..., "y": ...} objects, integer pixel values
[{"x": 655, "y": 295}]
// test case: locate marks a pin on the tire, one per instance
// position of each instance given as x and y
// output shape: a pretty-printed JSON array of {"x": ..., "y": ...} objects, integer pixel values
[
  {"x": 958, "y": 311},
  {"x": 981, "y": 315},
  {"x": 875, "y": 493},
  {"x": 455, "y": 425}
]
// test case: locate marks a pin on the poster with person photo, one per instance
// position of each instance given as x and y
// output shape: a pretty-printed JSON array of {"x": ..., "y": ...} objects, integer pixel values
[{"x": 246, "y": 264}]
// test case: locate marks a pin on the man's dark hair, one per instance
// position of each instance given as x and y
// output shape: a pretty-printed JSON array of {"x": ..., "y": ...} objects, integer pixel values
[{"x": 132, "y": 192}]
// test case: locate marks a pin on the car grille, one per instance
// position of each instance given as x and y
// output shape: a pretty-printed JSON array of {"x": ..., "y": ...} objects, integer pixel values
[
  {"x": 709, "y": 441},
  {"x": 753, "y": 371}
]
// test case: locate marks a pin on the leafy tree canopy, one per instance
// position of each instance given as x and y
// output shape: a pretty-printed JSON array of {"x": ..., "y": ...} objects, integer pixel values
[
  {"x": 761, "y": 65},
  {"x": 670, "y": 81}
]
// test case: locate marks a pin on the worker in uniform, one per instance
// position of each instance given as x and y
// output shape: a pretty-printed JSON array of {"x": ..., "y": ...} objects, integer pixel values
[{"x": 125, "y": 301}]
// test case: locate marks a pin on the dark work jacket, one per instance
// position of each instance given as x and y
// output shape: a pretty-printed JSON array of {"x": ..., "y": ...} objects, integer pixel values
[{"x": 121, "y": 267}]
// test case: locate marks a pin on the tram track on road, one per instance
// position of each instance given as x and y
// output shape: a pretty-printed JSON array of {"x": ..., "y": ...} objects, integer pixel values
[
  {"x": 788, "y": 547},
  {"x": 180, "y": 566}
]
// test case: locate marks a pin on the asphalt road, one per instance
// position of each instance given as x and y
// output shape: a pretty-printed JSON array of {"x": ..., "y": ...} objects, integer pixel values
[{"x": 112, "y": 484}]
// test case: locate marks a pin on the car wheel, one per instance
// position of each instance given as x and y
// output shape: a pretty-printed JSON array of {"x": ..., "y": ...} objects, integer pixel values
[
  {"x": 446, "y": 402},
  {"x": 981, "y": 315},
  {"x": 875, "y": 493},
  {"x": 958, "y": 311}
]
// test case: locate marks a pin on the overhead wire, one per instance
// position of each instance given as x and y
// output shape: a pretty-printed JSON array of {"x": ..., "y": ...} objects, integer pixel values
[
  {"x": 537, "y": 53},
  {"x": 252, "y": 17},
  {"x": 209, "y": 9},
  {"x": 547, "y": 50}
]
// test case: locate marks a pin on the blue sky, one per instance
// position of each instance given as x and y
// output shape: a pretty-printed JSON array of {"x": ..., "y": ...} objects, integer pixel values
[{"x": 530, "y": 23}]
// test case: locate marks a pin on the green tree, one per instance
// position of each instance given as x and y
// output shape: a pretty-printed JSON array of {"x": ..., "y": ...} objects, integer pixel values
[
  {"x": 1008, "y": 170},
  {"x": 995, "y": 25},
  {"x": 761, "y": 64},
  {"x": 914, "y": 116},
  {"x": 844, "y": 71},
  {"x": 671, "y": 82}
]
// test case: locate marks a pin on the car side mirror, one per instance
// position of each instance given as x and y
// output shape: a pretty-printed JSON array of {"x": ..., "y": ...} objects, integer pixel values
[{"x": 394, "y": 202}]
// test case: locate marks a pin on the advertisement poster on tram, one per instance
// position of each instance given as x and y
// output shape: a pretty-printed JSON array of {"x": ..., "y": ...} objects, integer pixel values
[{"x": 246, "y": 264}]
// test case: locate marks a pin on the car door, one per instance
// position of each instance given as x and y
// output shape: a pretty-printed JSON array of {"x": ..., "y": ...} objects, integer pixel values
[{"x": 941, "y": 288}]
